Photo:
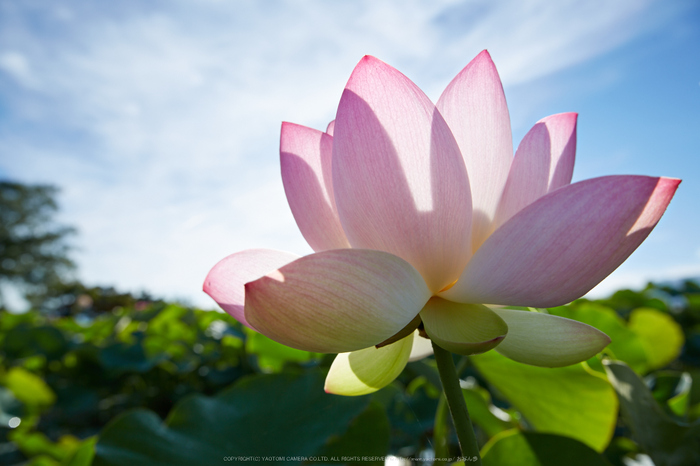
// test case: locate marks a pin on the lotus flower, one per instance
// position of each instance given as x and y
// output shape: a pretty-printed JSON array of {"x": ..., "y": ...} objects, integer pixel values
[{"x": 423, "y": 223}]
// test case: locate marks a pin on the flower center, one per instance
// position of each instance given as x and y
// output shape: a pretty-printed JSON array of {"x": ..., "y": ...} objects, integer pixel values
[{"x": 448, "y": 286}]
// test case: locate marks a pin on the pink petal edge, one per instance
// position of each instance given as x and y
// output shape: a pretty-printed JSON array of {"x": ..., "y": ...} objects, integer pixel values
[
  {"x": 305, "y": 157},
  {"x": 543, "y": 162},
  {"x": 475, "y": 108},
  {"x": 225, "y": 282}
]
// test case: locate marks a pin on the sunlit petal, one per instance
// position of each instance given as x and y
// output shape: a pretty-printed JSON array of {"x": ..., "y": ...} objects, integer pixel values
[
  {"x": 330, "y": 128},
  {"x": 562, "y": 245},
  {"x": 474, "y": 106},
  {"x": 400, "y": 182},
  {"x": 367, "y": 370},
  {"x": 336, "y": 301},
  {"x": 305, "y": 156},
  {"x": 543, "y": 162}
]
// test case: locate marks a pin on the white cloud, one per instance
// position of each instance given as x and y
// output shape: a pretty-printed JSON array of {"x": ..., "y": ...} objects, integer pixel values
[
  {"x": 16, "y": 65},
  {"x": 161, "y": 122}
]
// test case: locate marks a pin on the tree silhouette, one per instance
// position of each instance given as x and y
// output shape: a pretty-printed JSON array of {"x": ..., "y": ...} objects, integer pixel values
[{"x": 33, "y": 247}]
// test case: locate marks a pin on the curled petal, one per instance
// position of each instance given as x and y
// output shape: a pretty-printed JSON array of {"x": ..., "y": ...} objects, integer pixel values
[
  {"x": 330, "y": 128},
  {"x": 474, "y": 106},
  {"x": 422, "y": 348},
  {"x": 462, "y": 328},
  {"x": 367, "y": 370},
  {"x": 225, "y": 282},
  {"x": 562, "y": 245},
  {"x": 400, "y": 182},
  {"x": 336, "y": 301},
  {"x": 543, "y": 162},
  {"x": 305, "y": 156},
  {"x": 548, "y": 341}
]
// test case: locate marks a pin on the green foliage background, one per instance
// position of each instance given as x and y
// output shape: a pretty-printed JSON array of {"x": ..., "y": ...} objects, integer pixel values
[
  {"x": 91, "y": 376},
  {"x": 155, "y": 383}
]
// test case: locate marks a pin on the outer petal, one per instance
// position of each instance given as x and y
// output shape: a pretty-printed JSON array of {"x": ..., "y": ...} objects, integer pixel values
[
  {"x": 474, "y": 106},
  {"x": 399, "y": 179},
  {"x": 336, "y": 301},
  {"x": 367, "y": 370},
  {"x": 225, "y": 282},
  {"x": 462, "y": 328},
  {"x": 562, "y": 245},
  {"x": 330, "y": 128},
  {"x": 548, "y": 341},
  {"x": 422, "y": 348},
  {"x": 543, "y": 162},
  {"x": 305, "y": 156}
]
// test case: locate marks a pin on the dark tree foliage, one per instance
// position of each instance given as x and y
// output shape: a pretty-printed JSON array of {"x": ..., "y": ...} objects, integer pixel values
[
  {"x": 73, "y": 298},
  {"x": 33, "y": 248}
]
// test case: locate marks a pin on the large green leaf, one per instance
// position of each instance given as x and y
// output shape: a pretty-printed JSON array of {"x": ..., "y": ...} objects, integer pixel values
[
  {"x": 24, "y": 341},
  {"x": 516, "y": 448},
  {"x": 124, "y": 357},
  {"x": 367, "y": 436},
  {"x": 679, "y": 403},
  {"x": 272, "y": 356},
  {"x": 411, "y": 409},
  {"x": 479, "y": 403},
  {"x": 650, "y": 340},
  {"x": 667, "y": 442},
  {"x": 569, "y": 401},
  {"x": 671, "y": 389},
  {"x": 282, "y": 415},
  {"x": 28, "y": 388},
  {"x": 37, "y": 445},
  {"x": 661, "y": 336},
  {"x": 170, "y": 323},
  {"x": 83, "y": 455}
]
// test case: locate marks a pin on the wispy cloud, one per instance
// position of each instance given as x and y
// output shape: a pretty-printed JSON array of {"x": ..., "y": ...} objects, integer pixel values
[{"x": 161, "y": 121}]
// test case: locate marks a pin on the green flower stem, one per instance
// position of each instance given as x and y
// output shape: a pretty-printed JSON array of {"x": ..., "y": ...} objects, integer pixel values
[
  {"x": 441, "y": 430},
  {"x": 458, "y": 407}
]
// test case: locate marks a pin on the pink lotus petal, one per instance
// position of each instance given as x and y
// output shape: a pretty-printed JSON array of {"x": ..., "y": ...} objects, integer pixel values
[
  {"x": 562, "y": 245},
  {"x": 225, "y": 282},
  {"x": 330, "y": 128},
  {"x": 548, "y": 341},
  {"x": 399, "y": 179},
  {"x": 543, "y": 162},
  {"x": 474, "y": 106},
  {"x": 336, "y": 301},
  {"x": 305, "y": 155}
]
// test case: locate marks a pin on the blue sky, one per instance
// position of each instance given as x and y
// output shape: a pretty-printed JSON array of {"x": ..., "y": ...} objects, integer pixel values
[{"x": 160, "y": 120}]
